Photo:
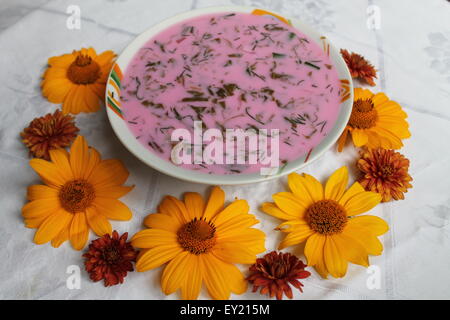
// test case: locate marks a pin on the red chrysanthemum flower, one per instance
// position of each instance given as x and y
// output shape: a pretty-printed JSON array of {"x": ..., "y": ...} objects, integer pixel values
[
  {"x": 49, "y": 132},
  {"x": 275, "y": 271},
  {"x": 385, "y": 172},
  {"x": 110, "y": 258},
  {"x": 359, "y": 67}
]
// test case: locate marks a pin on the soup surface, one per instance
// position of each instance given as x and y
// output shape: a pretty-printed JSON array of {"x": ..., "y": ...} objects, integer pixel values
[{"x": 231, "y": 71}]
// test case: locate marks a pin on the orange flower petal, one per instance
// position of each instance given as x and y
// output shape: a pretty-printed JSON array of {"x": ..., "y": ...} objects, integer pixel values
[
  {"x": 79, "y": 231},
  {"x": 215, "y": 203},
  {"x": 194, "y": 204},
  {"x": 112, "y": 209},
  {"x": 98, "y": 222},
  {"x": 52, "y": 226}
]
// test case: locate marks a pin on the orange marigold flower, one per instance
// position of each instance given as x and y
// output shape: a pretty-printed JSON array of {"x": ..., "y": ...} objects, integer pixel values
[
  {"x": 385, "y": 172},
  {"x": 359, "y": 67},
  {"x": 49, "y": 132},
  {"x": 275, "y": 271},
  {"x": 77, "y": 80},
  {"x": 110, "y": 258}
]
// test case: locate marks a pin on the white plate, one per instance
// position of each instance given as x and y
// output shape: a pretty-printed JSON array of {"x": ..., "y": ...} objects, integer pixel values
[{"x": 134, "y": 146}]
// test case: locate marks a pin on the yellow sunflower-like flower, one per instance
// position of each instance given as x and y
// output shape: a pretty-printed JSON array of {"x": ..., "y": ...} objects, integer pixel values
[
  {"x": 77, "y": 80},
  {"x": 375, "y": 122},
  {"x": 326, "y": 219},
  {"x": 201, "y": 243},
  {"x": 80, "y": 193}
]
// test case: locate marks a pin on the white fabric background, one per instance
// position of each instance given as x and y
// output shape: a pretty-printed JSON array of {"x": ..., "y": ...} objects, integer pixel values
[{"x": 412, "y": 52}]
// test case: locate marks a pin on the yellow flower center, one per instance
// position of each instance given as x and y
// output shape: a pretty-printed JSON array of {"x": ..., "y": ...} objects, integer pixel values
[
  {"x": 76, "y": 195},
  {"x": 197, "y": 236},
  {"x": 326, "y": 217},
  {"x": 83, "y": 70},
  {"x": 363, "y": 116}
]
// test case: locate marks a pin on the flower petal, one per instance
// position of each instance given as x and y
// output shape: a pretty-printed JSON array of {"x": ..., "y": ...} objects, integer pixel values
[
  {"x": 351, "y": 249},
  {"x": 109, "y": 173},
  {"x": 112, "y": 209},
  {"x": 194, "y": 204},
  {"x": 94, "y": 160},
  {"x": 353, "y": 190},
  {"x": 314, "y": 187},
  {"x": 150, "y": 238},
  {"x": 48, "y": 172},
  {"x": 152, "y": 258},
  {"x": 162, "y": 221},
  {"x": 79, "y": 157},
  {"x": 91, "y": 99},
  {"x": 62, "y": 237},
  {"x": 314, "y": 249},
  {"x": 98, "y": 222},
  {"x": 376, "y": 225},
  {"x": 359, "y": 137},
  {"x": 79, "y": 231},
  {"x": 370, "y": 242},
  {"x": 60, "y": 158},
  {"x": 299, "y": 187},
  {"x": 236, "y": 252},
  {"x": 336, "y": 184},
  {"x": 40, "y": 191},
  {"x": 56, "y": 89},
  {"x": 221, "y": 278},
  {"x": 215, "y": 203},
  {"x": 288, "y": 203},
  {"x": 174, "y": 208},
  {"x": 299, "y": 235},
  {"x": 233, "y": 210},
  {"x": 105, "y": 58},
  {"x": 334, "y": 261},
  {"x": 175, "y": 274},
  {"x": 40, "y": 208},
  {"x": 52, "y": 226},
  {"x": 193, "y": 283},
  {"x": 113, "y": 192},
  {"x": 362, "y": 202},
  {"x": 271, "y": 209}
]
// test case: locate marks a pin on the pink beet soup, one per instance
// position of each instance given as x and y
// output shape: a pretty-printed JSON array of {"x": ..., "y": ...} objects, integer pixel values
[{"x": 231, "y": 70}]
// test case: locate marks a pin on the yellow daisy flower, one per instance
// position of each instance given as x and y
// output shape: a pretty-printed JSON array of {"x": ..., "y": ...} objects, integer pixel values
[
  {"x": 326, "y": 219},
  {"x": 200, "y": 244},
  {"x": 77, "y": 80},
  {"x": 375, "y": 122},
  {"x": 80, "y": 193}
]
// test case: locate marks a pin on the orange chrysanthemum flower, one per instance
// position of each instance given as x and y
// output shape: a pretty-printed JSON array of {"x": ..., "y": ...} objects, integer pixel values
[
  {"x": 375, "y": 122},
  {"x": 49, "y": 132},
  {"x": 275, "y": 272},
  {"x": 359, "y": 67},
  {"x": 200, "y": 242},
  {"x": 385, "y": 172},
  {"x": 80, "y": 193},
  {"x": 110, "y": 258},
  {"x": 328, "y": 219},
  {"x": 77, "y": 80}
]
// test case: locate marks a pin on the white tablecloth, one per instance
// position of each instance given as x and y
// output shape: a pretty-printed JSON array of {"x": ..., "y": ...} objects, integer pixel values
[{"x": 411, "y": 50}]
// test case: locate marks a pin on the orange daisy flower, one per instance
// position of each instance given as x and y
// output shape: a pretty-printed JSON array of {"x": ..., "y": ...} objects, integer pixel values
[
  {"x": 80, "y": 193},
  {"x": 375, "y": 122},
  {"x": 359, "y": 67},
  {"x": 385, "y": 172},
  {"x": 77, "y": 80},
  {"x": 199, "y": 242}
]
